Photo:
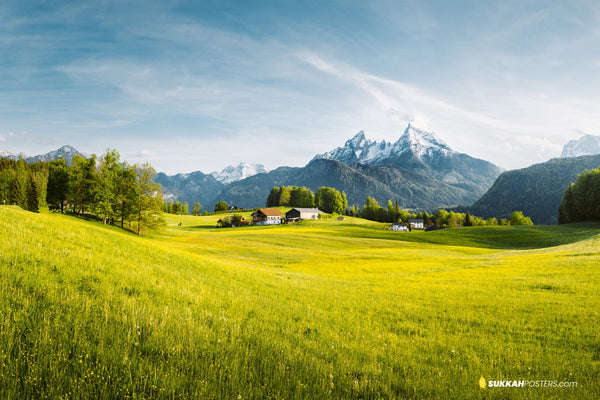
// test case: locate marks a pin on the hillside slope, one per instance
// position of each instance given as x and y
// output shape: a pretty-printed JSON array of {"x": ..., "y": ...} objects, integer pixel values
[
  {"x": 536, "y": 190},
  {"x": 321, "y": 309}
]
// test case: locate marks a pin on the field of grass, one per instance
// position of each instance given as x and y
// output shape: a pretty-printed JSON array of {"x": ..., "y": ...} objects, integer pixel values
[{"x": 315, "y": 310}]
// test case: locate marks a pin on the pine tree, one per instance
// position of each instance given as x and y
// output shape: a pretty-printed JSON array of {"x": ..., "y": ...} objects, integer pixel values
[
  {"x": 32, "y": 195},
  {"x": 58, "y": 183},
  {"x": 19, "y": 184}
]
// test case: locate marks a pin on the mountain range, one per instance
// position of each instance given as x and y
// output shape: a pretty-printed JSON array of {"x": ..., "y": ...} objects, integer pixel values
[
  {"x": 419, "y": 170},
  {"x": 67, "y": 152}
]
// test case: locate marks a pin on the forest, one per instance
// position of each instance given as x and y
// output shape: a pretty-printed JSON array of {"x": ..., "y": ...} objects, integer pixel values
[{"x": 105, "y": 188}]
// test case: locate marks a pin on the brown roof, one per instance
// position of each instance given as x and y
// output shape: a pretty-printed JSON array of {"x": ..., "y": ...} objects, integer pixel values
[{"x": 270, "y": 211}]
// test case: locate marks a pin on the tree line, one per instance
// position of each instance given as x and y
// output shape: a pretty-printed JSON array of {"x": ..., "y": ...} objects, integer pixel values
[
  {"x": 179, "y": 208},
  {"x": 392, "y": 213},
  {"x": 327, "y": 199},
  {"x": 23, "y": 184},
  {"x": 106, "y": 188}
]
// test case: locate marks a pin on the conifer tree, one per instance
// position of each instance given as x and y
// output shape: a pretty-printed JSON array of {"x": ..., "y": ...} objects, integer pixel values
[
  {"x": 33, "y": 202},
  {"x": 58, "y": 183}
]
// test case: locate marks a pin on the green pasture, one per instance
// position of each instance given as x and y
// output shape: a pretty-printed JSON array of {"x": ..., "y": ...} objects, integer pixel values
[{"x": 314, "y": 310}]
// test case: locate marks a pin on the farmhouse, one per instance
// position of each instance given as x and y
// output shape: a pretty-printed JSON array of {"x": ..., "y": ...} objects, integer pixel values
[
  {"x": 400, "y": 227},
  {"x": 416, "y": 223},
  {"x": 297, "y": 214},
  {"x": 267, "y": 216}
]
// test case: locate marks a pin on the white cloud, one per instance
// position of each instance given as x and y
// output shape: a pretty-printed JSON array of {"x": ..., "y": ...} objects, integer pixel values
[
  {"x": 5, "y": 136},
  {"x": 512, "y": 129}
]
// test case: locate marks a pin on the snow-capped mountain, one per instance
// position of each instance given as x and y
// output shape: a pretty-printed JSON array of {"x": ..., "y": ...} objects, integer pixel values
[
  {"x": 8, "y": 154},
  {"x": 587, "y": 145},
  {"x": 420, "y": 151},
  {"x": 67, "y": 152},
  {"x": 236, "y": 173},
  {"x": 414, "y": 142}
]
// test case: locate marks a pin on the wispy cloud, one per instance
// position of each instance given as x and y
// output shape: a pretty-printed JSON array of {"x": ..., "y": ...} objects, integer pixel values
[
  {"x": 4, "y": 136},
  {"x": 509, "y": 82}
]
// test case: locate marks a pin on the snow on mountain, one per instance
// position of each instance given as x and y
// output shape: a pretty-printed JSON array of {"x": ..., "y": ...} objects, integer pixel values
[
  {"x": 8, "y": 154},
  {"x": 239, "y": 172},
  {"x": 67, "y": 152},
  {"x": 585, "y": 146},
  {"x": 420, "y": 143}
]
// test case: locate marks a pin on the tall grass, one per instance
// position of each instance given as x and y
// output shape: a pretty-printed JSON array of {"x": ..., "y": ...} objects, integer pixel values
[{"x": 327, "y": 309}]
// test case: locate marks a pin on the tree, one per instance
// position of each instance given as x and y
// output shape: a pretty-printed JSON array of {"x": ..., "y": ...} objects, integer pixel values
[
  {"x": 107, "y": 180},
  {"x": 292, "y": 196},
  {"x": 468, "y": 221},
  {"x": 273, "y": 198},
  {"x": 149, "y": 198},
  {"x": 581, "y": 199},
  {"x": 58, "y": 183},
  {"x": 82, "y": 181},
  {"x": 491, "y": 222},
  {"x": 184, "y": 208},
  {"x": 236, "y": 220},
  {"x": 33, "y": 203},
  {"x": 285, "y": 196},
  {"x": 517, "y": 218},
  {"x": 441, "y": 218},
  {"x": 19, "y": 184},
  {"x": 196, "y": 208},
  {"x": 221, "y": 206},
  {"x": 330, "y": 200},
  {"x": 126, "y": 194}
]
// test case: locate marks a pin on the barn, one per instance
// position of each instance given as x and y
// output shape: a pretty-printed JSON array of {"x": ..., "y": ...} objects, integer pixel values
[{"x": 297, "y": 214}]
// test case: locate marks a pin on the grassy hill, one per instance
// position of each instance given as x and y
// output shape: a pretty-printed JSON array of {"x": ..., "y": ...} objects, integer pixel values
[{"x": 320, "y": 309}]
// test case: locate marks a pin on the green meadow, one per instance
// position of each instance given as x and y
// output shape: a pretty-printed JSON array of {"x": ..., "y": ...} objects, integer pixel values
[{"x": 314, "y": 310}]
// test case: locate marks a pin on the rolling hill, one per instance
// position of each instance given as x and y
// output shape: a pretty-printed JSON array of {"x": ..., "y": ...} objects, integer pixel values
[{"x": 319, "y": 309}]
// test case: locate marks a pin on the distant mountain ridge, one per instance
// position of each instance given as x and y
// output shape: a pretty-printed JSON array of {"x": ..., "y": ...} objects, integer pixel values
[
  {"x": 584, "y": 146},
  {"x": 238, "y": 172},
  {"x": 67, "y": 152},
  {"x": 190, "y": 188}
]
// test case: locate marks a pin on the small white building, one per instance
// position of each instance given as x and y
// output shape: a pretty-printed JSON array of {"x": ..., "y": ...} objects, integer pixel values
[
  {"x": 267, "y": 216},
  {"x": 416, "y": 224},
  {"x": 400, "y": 228}
]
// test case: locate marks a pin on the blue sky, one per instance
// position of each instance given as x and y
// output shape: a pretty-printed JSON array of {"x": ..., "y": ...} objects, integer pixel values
[{"x": 199, "y": 85}]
